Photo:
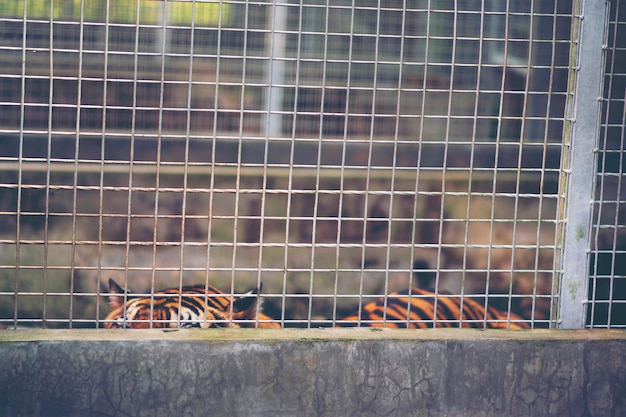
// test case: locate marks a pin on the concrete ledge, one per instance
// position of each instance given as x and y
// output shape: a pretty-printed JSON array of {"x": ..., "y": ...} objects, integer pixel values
[{"x": 331, "y": 372}]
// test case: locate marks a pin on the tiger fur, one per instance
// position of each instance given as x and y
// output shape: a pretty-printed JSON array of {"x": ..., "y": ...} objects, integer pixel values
[
  {"x": 414, "y": 309},
  {"x": 190, "y": 306}
]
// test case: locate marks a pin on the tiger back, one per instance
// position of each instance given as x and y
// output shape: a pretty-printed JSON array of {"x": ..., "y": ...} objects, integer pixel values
[
  {"x": 415, "y": 309},
  {"x": 190, "y": 306}
]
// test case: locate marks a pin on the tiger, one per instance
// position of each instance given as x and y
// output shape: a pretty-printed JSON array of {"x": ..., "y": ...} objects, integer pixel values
[
  {"x": 190, "y": 306},
  {"x": 206, "y": 306},
  {"x": 414, "y": 308}
]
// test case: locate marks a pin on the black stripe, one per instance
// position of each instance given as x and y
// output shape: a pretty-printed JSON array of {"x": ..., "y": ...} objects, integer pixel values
[
  {"x": 473, "y": 310},
  {"x": 194, "y": 303}
]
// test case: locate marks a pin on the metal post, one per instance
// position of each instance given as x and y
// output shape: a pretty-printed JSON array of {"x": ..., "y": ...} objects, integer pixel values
[
  {"x": 276, "y": 68},
  {"x": 580, "y": 165}
]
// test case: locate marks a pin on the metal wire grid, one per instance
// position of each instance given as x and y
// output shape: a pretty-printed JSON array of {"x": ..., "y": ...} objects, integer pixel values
[
  {"x": 321, "y": 148},
  {"x": 607, "y": 292}
]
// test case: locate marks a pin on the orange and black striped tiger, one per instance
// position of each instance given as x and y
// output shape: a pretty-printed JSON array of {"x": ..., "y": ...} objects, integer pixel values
[
  {"x": 206, "y": 306},
  {"x": 189, "y": 306},
  {"x": 415, "y": 310}
]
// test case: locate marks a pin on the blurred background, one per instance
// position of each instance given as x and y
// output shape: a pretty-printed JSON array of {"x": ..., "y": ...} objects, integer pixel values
[{"x": 321, "y": 148}]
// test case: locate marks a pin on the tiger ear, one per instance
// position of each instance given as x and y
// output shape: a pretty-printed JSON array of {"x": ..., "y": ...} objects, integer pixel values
[
  {"x": 244, "y": 308},
  {"x": 116, "y": 294}
]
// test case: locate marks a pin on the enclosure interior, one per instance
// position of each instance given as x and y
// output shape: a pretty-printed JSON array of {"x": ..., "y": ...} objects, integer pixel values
[
  {"x": 607, "y": 268},
  {"x": 329, "y": 152}
]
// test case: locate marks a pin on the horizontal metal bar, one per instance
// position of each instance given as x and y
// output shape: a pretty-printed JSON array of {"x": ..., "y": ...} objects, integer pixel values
[{"x": 376, "y": 173}]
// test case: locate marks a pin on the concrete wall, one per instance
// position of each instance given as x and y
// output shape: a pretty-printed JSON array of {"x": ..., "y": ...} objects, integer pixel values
[{"x": 330, "y": 372}]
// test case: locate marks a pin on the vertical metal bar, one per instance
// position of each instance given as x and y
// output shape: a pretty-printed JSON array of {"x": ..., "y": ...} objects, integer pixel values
[
  {"x": 444, "y": 166},
  {"x": 518, "y": 173},
  {"x": 183, "y": 210},
  {"x": 318, "y": 169},
  {"x": 20, "y": 160},
  {"x": 290, "y": 172},
  {"x": 163, "y": 42},
  {"x": 76, "y": 154},
  {"x": 211, "y": 172},
  {"x": 368, "y": 175},
  {"x": 273, "y": 122},
  {"x": 420, "y": 154},
  {"x": 131, "y": 157},
  {"x": 343, "y": 156},
  {"x": 105, "y": 76},
  {"x": 498, "y": 142},
  {"x": 579, "y": 160},
  {"x": 392, "y": 186},
  {"x": 46, "y": 226},
  {"x": 473, "y": 142},
  {"x": 338, "y": 247},
  {"x": 541, "y": 195},
  {"x": 327, "y": 29},
  {"x": 278, "y": 27},
  {"x": 239, "y": 152}
]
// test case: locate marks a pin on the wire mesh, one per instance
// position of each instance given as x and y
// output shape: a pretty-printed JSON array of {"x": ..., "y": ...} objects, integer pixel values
[
  {"x": 332, "y": 152},
  {"x": 607, "y": 289}
]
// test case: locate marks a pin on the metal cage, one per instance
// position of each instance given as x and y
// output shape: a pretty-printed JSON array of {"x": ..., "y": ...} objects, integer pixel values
[
  {"x": 331, "y": 152},
  {"x": 606, "y": 296}
]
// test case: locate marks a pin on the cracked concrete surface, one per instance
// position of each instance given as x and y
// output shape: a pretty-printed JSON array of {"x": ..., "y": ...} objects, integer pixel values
[{"x": 313, "y": 373}]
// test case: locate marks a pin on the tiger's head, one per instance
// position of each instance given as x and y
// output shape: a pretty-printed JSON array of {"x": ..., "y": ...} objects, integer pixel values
[{"x": 190, "y": 306}]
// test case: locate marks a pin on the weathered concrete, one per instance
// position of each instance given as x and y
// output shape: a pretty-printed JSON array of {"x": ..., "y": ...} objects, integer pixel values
[{"x": 313, "y": 373}]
